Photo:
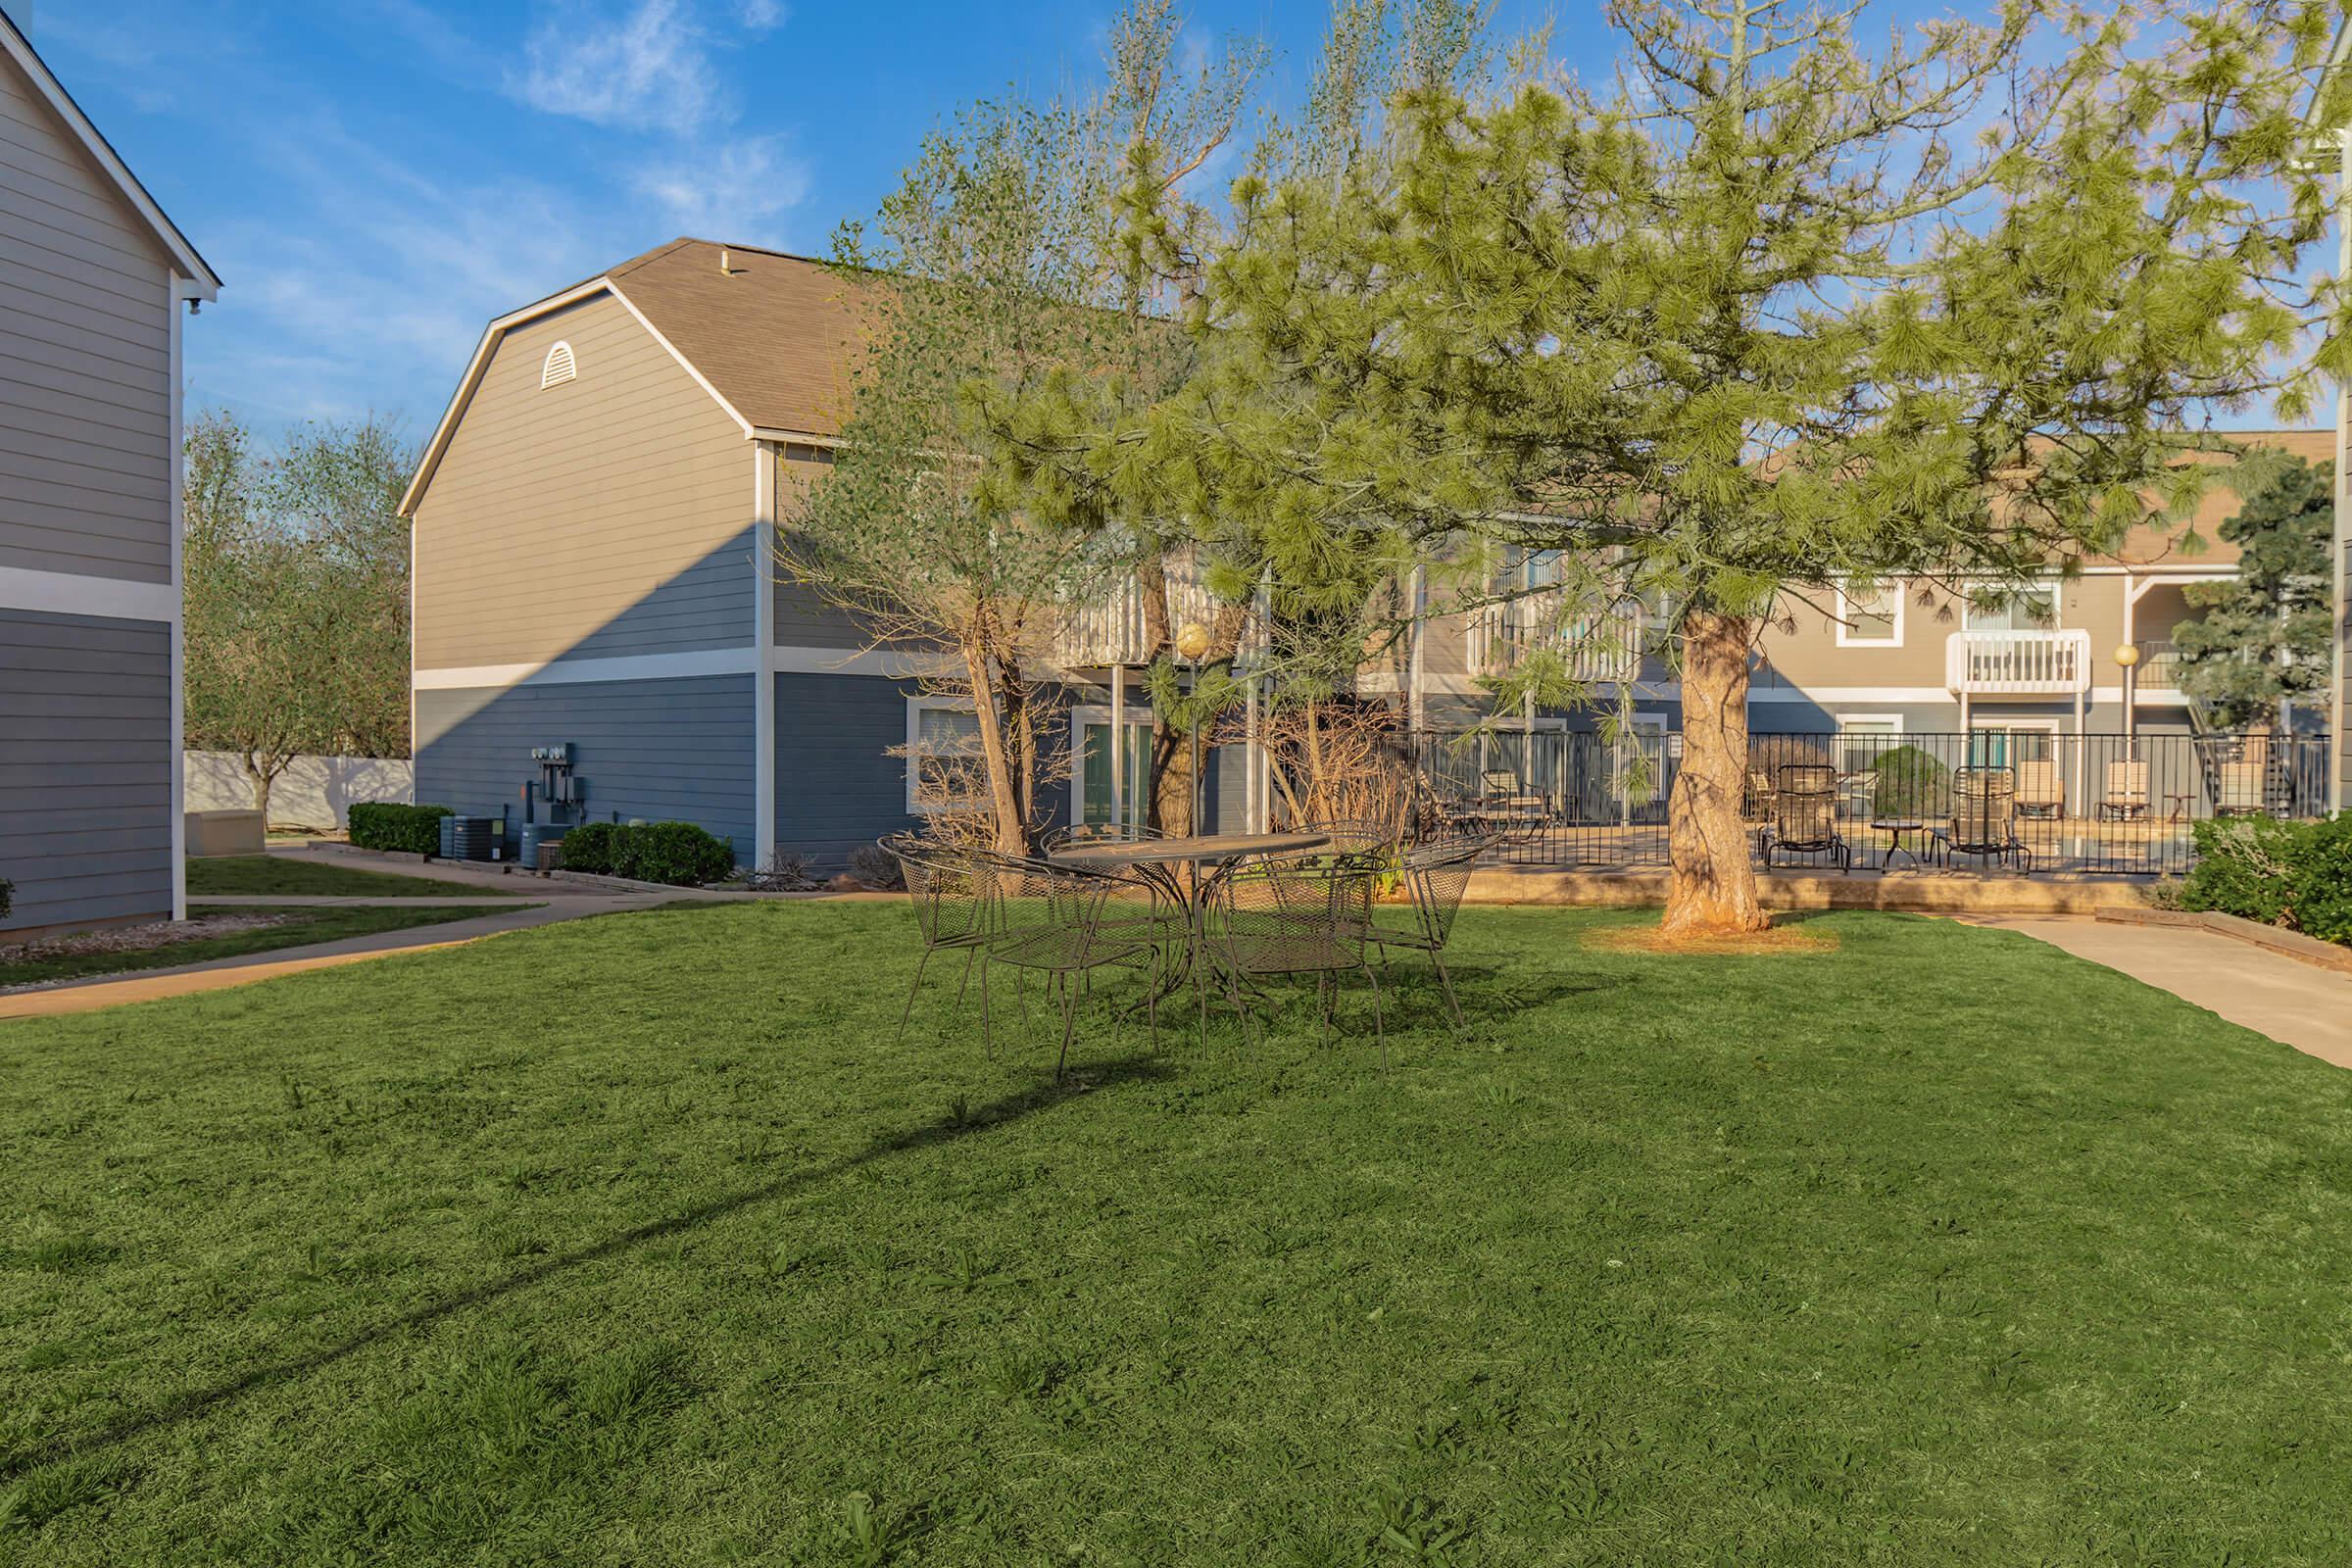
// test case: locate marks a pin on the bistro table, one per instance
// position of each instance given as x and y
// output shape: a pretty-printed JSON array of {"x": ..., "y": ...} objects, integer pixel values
[
  {"x": 1896, "y": 829},
  {"x": 1210, "y": 857}
]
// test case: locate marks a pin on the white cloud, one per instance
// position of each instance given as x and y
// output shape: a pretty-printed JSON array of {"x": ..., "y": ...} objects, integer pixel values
[
  {"x": 762, "y": 15},
  {"x": 645, "y": 69},
  {"x": 728, "y": 192}
]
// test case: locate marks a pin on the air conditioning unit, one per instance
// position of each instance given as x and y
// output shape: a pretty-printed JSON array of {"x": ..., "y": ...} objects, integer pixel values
[{"x": 473, "y": 838}]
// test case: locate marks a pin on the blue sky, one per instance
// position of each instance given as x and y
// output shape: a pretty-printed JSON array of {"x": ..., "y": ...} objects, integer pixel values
[{"x": 375, "y": 178}]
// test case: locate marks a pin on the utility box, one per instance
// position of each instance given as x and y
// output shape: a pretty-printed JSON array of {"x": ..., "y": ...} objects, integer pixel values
[
  {"x": 216, "y": 833},
  {"x": 473, "y": 838}
]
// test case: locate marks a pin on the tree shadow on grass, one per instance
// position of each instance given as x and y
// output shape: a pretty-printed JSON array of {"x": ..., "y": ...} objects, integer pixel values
[{"x": 963, "y": 1122}]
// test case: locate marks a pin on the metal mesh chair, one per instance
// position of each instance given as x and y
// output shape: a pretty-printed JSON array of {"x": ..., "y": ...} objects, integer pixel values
[
  {"x": 1983, "y": 819},
  {"x": 1436, "y": 876},
  {"x": 1805, "y": 816},
  {"x": 1293, "y": 917},
  {"x": 1355, "y": 836},
  {"x": 948, "y": 891},
  {"x": 1050, "y": 918}
]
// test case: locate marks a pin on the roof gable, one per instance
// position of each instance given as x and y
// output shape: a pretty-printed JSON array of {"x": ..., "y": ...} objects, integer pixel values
[{"x": 185, "y": 260}]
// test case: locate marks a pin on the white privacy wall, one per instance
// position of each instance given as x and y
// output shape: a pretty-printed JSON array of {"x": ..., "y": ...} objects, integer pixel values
[{"x": 312, "y": 792}]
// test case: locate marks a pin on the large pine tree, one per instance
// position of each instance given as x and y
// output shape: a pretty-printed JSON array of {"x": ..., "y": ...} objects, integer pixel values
[{"x": 1776, "y": 306}]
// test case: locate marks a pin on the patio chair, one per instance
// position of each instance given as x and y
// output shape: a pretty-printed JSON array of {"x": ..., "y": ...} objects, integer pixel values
[
  {"x": 2040, "y": 792},
  {"x": 1355, "y": 836},
  {"x": 949, "y": 891},
  {"x": 1436, "y": 876},
  {"x": 1760, "y": 795},
  {"x": 2126, "y": 795},
  {"x": 1050, "y": 918},
  {"x": 1508, "y": 804},
  {"x": 1805, "y": 816},
  {"x": 1271, "y": 918},
  {"x": 1983, "y": 819}
]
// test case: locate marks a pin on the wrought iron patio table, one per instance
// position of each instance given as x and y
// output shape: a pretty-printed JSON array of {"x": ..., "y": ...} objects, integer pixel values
[
  {"x": 1896, "y": 829},
  {"x": 1209, "y": 856}
]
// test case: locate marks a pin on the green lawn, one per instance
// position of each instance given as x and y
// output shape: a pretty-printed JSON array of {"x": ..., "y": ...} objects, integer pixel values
[
  {"x": 636, "y": 1241},
  {"x": 273, "y": 874},
  {"x": 301, "y": 926}
]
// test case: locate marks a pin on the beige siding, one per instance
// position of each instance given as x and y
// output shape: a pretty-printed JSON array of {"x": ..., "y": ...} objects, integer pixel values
[
  {"x": 603, "y": 516},
  {"x": 802, "y": 618},
  {"x": 85, "y": 360}
]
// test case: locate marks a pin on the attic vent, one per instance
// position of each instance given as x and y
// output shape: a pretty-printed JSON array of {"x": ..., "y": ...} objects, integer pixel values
[{"x": 558, "y": 366}]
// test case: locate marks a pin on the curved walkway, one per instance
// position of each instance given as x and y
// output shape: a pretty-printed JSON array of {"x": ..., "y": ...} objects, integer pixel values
[{"x": 2295, "y": 1004}]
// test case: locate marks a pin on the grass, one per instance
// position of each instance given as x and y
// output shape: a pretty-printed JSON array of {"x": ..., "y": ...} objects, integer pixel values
[
  {"x": 301, "y": 926},
  {"x": 636, "y": 1241},
  {"x": 266, "y": 875}
]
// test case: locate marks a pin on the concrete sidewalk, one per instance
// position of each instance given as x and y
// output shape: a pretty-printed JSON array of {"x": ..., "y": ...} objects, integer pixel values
[{"x": 2295, "y": 1004}]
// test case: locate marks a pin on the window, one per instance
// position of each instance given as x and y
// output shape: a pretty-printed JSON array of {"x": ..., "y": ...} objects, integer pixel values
[
  {"x": 942, "y": 754},
  {"x": 1864, "y": 738},
  {"x": 560, "y": 366},
  {"x": 2030, "y": 606},
  {"x": 1869, "y": 615}
]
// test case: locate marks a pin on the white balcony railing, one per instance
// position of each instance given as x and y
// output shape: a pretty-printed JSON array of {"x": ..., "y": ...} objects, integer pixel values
[
  {"x": 2017, "y": 663},
  {"x": 1108, "y": 628},
  {"x": 1605, "y": 647}
]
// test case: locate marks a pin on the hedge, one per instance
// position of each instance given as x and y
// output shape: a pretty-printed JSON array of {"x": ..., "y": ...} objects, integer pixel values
[
  {"x": 391, "y": 825},
  {"x": 680, "y": 853},
  {"x": 8, "y": 897},
  {"x": 2293, "y": 874}
]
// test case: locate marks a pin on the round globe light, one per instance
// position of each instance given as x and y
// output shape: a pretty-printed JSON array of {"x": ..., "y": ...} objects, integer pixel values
[
  {"x": 2127, "y": 655},
  {"x": 1192, "y": 639}
]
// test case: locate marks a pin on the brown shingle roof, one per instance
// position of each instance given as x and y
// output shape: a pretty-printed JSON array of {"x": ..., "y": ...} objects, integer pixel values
[
  {"x": 2159, "y": 542},
  {"x": 774, "y": 335}
]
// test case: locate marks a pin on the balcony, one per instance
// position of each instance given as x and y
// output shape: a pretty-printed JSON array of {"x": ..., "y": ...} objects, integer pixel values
[
  {"x": 1605, "y": 647},
  {"x": 2159, "y": 666},
  {"x": 1108, "y": 628},
  {"x": 2017, "y": 664}
]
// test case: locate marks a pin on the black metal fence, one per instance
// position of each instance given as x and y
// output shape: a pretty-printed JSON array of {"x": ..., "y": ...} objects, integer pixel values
[{"x": 2017, "y": 798}]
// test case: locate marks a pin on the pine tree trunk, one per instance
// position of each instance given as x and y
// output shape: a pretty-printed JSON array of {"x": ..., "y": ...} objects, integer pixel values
[{"x": 1714, "y": 887}]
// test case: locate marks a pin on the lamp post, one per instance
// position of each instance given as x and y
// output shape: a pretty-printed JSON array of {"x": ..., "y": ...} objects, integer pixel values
[
  {"x": 2126, "y": 656},
  {"x": 1192, "y": 641}
]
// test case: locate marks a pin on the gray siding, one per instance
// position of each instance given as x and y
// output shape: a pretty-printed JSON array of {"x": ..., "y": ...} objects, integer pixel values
[
  {"x": 85, "y": 767},
  {"x": 661, "y": 750},
  {"x": 837, "y": 785},
  {"x": 608, "y": 515},
  {"x": 85, "y": 360}
]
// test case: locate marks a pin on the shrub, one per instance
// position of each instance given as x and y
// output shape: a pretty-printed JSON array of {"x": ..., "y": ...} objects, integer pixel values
[
  {"x": 392, "y": 825},
  {"x": 2293, "y": 874},
  {"x": 676, "y": 853},
  {"x": 877, "y": 868},
  {"x": 680, "y": 853},
  {"x": 1910, "y": 783},
  {"x": 8, "y": 897},
  {"x": 591, "y": 848}
]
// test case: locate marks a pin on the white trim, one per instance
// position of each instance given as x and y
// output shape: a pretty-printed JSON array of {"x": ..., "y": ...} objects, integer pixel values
[
  {"x": 917, "y": 704},
  {"x": 201, "y": 278},
  {"x": 881, "y": 664},
  {"x": 577, "y": 671},
  {"x": 764, "y": 636},
  {"x": 699, "y": 378},
  {"x": 1843, "y": 719},
  {"x": 798, "y": 438},
  {"x": 175, "y": 664},
  {"x": 1843, "y": 624},
  {"x": 70, "y": 593},
  {"x": 472, "y": 377}
]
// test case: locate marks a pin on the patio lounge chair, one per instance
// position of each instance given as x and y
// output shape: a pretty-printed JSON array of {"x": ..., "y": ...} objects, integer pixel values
[
  {"x": 1508, "y": 804},
  {"x": 2040, "y": 792},
  {"x": 1805, "y": 816},
  {"x": 1983, "y": 819},
  {"x": 2127, "y": 794}
]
